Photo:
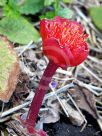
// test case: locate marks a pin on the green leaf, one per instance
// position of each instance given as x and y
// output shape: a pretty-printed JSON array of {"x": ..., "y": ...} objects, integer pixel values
[
  {"x": 96, "y": 15},
  {"x": 48, "y": 15},
  {"x": 9, "y": 11},
  {"x": 65, "y": 12},
  {"x": 48, "y": 2},
  {"x": 27, "y": 6},
  {"x": 3, "y": 2},
  {"x": 68, "y": 1},
  {"x": 18, "y": 29}
]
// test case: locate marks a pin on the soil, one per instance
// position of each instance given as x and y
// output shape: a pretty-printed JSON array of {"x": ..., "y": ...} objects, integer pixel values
[{"x": 65, "y": 128}]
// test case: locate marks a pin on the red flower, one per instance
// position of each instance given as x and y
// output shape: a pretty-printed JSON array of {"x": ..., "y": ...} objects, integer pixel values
[{"x": 64, "y": 41}]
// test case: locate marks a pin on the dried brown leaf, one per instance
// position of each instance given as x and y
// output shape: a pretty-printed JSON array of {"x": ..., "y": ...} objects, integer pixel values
[
  {"x": 85, "y": 100},
  {"x": 9, "y": 69}
]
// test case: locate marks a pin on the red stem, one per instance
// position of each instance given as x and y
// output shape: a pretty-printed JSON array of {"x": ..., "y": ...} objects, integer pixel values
[{"x": 40, "y": 92}]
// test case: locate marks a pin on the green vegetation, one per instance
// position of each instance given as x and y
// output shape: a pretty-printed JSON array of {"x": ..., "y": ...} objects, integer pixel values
[
  {"x": 96, "y": 16},
  {"x": 18, "y": 26}
]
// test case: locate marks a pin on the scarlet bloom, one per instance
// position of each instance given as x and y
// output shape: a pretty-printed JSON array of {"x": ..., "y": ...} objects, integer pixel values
[{"x": 64, "y": 41}]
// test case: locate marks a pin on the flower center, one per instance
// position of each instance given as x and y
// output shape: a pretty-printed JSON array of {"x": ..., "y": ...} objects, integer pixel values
[{"x": 67, "y": 33}]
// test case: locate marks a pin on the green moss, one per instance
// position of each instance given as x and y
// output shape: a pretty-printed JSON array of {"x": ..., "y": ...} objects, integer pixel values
[{"x": 6, "y": 62}]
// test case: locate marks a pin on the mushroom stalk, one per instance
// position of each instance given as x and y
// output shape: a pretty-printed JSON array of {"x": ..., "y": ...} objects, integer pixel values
[{"x": 40, "y": 92}]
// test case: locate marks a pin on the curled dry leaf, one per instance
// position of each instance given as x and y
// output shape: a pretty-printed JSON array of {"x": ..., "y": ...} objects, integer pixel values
[
  {"x": 51, "y": 115},
  {"x": 74, "y": 115},
  {"x": 85, "y": 100},
  {"x": 9, "y": 69}
]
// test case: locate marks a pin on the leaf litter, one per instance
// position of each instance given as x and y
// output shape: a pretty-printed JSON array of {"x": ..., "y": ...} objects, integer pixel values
[{"x": 71, "y": 91}]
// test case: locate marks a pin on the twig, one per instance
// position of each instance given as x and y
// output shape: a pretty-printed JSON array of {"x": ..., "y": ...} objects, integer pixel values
[
  {"x": 24, "y": 49},
  {"x": 59, "y": 100},
  {"x": 79, "y": 112},
  {"x": 91, "y": 88},
  {"x": 94, "y": 75},
  {"x": 10, "y": 111},
  {"x": 80, "y": 13}
]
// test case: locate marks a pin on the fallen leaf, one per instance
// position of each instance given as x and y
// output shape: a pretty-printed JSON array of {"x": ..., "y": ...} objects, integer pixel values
[
  {"x": 74, "y": 116},
  {"x": 51, "y": 115},
  {"x": 84, "y": 99},
  {"x": 9, "y": 69}
]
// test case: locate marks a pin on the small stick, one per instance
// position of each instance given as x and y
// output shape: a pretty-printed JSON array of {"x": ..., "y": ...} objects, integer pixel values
[
  {"x": 59, "y": 100},
  {"x": 24, "y": 49},
  {"x": 79, "y": 112},
  {"x": 94, "y": 75}
]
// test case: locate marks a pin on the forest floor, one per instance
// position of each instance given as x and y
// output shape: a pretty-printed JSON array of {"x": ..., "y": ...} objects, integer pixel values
[{"x": 74, "y": 99}]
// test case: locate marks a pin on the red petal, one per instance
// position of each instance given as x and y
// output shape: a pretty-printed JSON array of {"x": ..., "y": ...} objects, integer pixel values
[{"x": 64, "y": 41}]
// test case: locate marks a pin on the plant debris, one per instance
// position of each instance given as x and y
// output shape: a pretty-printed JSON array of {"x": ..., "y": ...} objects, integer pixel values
[
  {"x": 76, "y": 89},
  {"x": 9, "y": 69}
]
